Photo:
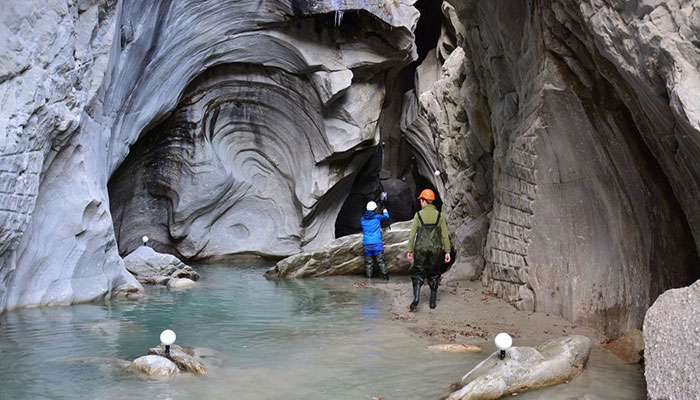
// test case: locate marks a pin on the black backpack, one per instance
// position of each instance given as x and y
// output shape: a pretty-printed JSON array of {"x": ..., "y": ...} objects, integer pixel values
[{"x": 429, "y": 238}]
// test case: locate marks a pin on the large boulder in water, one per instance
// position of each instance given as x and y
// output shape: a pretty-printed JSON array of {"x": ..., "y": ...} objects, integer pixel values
[
  {"x": 525, "y": 368},
  {"x": 155, "y": 268},
  {"x": 345, "y": 256}
]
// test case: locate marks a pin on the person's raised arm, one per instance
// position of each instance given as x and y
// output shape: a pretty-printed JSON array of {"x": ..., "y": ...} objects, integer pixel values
[{"x": 384, "y": 216}]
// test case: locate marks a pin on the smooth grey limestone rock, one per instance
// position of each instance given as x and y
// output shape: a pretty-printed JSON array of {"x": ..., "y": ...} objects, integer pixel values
[
  {"x": 672, "y": 344},
  {"x": 442, "y": 138},
  {"x": 149, "y": 266},
  {"x": 294, "y": 192},
  {"x": 584, "y": 223},
  {"x": 54, "y": 57},
  {"x": 654, "y": 47},
  {"x": 525, "y": 368},
  {"x": 119, "y": 69},
  {"x": 345, "y": 256}
]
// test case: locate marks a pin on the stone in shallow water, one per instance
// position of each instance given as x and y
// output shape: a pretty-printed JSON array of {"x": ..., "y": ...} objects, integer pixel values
[
  {"x": 456, "y": 348},
  {"x": 525, "y": 368},
  {"x": 629, "y": 348},
  {"x": 154, "y": 366},
  {"x": 180, "y": 283},
  {"x": 183, "y": 357}
]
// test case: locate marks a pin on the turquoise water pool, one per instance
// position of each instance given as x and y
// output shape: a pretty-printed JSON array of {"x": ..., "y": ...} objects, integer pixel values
[{"x": 301, "y": 339}]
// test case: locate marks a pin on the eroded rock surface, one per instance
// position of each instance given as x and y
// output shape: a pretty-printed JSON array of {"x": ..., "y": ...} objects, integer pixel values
[
  {"x": 525, "y": 368},
  {"x": 56, "y": 240},
  {"x": 561, "y": 143},
  {"x": 226, "y": 128}
]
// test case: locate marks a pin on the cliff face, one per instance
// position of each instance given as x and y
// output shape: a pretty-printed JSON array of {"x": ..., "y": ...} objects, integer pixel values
[
  {"x": 217, "y": 128},
  {"x": 581, "y": 117},
  {"x": 565, "y": 132}
]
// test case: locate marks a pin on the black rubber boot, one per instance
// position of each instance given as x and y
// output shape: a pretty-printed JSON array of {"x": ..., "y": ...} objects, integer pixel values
[
  {"x": 433, "y": 283},
  {"x": 433, "y": 298},
  {"x": 416, "y": 295}
]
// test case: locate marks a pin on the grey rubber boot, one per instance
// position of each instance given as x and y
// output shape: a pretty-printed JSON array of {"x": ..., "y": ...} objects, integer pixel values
[
  {"x": 369, "y": 265},
  {"x": 382, "y": 266}
]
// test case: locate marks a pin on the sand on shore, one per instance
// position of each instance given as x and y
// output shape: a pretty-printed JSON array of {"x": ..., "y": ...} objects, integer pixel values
[{"x": 468, "y": 313}]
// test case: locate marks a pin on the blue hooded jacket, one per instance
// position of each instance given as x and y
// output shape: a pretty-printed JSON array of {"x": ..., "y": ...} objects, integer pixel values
[{"x": 371, "y": 227}]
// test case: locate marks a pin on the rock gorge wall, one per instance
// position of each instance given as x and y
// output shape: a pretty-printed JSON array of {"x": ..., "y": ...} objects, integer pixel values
[
  {"x": 580, "y": 119},
  {"x": 245, "y": 116},
  {"x": 565, "y": 132}
]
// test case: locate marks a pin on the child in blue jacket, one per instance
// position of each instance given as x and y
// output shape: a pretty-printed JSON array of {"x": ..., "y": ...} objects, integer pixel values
[{"x": 372, "y": 239}]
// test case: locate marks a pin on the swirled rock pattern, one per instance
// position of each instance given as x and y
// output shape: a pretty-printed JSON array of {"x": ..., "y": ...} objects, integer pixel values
[
  {"x": 225, "y": 127},
  {"x": 579, "y": 123}
]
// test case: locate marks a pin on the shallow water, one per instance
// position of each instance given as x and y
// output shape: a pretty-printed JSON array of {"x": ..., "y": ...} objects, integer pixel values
[{"x": 299, "y": 339}]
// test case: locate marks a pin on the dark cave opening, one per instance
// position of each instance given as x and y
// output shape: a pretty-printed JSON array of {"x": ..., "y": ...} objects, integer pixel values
[{"x": 391, "y": 161}]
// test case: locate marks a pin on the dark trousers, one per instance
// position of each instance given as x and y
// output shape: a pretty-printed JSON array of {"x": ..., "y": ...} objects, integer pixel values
[{"x": 427, "y": 265}]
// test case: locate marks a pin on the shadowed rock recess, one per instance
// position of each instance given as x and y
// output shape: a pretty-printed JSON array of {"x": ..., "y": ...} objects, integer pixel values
[{"x": 565, "y": 132}]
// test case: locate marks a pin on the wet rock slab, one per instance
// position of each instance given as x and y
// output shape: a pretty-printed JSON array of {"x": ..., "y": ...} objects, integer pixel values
[{"x": 525, "y": 368}]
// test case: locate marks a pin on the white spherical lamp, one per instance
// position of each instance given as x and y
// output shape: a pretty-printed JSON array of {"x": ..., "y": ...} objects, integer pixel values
[
  {"x": 144, "y": 240},
  {"x": 437, "y": 172},
  {"x": 167, "y": 337},
  {"x": 503, "y": 342}
]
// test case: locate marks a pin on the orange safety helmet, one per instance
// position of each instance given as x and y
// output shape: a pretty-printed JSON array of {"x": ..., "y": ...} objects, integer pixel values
[{"x": 427, "y": 194}]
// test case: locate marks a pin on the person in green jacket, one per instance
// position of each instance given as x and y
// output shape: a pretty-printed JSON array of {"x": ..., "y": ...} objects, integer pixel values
[{"x": 430, "y": 241}]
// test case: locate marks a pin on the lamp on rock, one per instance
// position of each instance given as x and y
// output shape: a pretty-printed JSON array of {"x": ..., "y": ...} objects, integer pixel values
[
  {"x": 167, "y": 337},
  {"x": 503, "y": 342},
  {"x": 144, "y": 240}
]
